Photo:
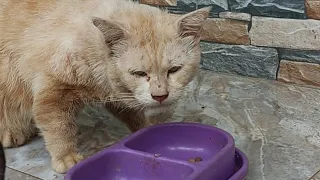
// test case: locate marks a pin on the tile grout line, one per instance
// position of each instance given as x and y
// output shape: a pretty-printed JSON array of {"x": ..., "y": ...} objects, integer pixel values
[
  {"x": 23, "y": 172},
  {"x": 315, "y": 176}
]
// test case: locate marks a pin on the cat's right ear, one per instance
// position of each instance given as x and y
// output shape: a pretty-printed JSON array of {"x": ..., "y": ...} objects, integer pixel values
[
  {"x": 191, "y": 24},
  {"x": 112, "y": 32}
]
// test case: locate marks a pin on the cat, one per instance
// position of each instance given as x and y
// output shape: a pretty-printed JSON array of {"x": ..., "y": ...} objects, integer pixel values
[
  {"x": 58, "y": 55},
  {"x": 2, "y": 163}
]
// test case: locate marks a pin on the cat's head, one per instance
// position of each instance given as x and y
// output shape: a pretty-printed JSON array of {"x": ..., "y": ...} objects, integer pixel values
[{"x": 155, "y": 55}]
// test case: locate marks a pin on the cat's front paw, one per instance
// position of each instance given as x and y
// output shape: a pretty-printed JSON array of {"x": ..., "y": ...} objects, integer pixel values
[
  {"x": 62, "y": 165},
  {"x": 9, "y": 139}
]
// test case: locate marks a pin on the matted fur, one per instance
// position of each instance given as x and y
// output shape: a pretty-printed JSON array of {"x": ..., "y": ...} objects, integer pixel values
[{"x": 58, "y": 55}]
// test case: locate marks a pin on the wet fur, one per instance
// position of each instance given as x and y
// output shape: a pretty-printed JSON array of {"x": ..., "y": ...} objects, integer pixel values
[{"x": 58, "y": 55}]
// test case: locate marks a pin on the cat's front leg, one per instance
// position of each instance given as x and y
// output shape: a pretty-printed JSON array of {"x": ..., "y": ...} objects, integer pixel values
[
  {"x": 134, "y": 119},
  {"x": 54, "y": 113}
]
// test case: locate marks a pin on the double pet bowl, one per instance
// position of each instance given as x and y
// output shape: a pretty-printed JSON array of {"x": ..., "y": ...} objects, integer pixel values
[{"x": 171, "y": 151}]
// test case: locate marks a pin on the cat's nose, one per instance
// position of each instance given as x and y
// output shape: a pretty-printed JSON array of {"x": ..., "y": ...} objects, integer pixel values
[{"x": 160, "y": 98}]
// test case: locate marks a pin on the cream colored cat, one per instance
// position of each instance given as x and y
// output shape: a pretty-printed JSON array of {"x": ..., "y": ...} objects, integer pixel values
[{"x": 58, "y": 55}]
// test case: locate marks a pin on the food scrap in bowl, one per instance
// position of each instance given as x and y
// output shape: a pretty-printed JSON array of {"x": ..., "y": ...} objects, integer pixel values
[
  {"x": 196, "y": 159},
  {"x": 157, "y": 155}
]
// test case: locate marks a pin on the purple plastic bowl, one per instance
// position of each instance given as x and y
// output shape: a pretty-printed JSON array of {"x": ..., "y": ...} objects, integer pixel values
[{"x": 163, "y": 152}]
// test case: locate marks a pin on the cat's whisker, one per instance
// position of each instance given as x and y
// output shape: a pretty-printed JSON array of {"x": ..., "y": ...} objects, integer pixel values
[
  {"x": 128, "y": 107},
  {"x": 140, "y": 110},
  {"x": 121, "y": 96},
  {"x": 134, "y": 105},
  {"x": 120, "y": 100}
]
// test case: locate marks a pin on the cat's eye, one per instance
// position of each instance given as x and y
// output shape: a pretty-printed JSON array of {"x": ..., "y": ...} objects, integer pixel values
[
  {"x": 139, "y": 73},
  {"x": 174, "y": 69}
]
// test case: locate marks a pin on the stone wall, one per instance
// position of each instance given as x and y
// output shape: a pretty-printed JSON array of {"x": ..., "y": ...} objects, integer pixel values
[{"x": 273, "y": 39}]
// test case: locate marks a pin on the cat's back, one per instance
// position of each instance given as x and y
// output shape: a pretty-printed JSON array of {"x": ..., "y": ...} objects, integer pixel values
[
  {"x": 29, "y": 24},
  {"x": 16, "y": 16},
  {"x": 33, "y": 29},
  {"x": 22, "y": 18}
]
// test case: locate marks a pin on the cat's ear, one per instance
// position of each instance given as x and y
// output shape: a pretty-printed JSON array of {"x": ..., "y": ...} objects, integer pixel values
[
  {"x": 112, "y": 32},
  {"x": 191, "y": 24}
]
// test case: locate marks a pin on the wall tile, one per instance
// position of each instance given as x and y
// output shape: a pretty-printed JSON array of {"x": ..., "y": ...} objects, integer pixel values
[
  {"x": 300, "y": 55},
  {"x": 313, "y": 9},
  {"x": 235, "y": 16},
  {"x": 271, "y": 8},
  {"x": 226, "y": 31},
  {"x": 217, "y": 6},
  {"x": 183, "y": 6},
  {"x": 285, "y": 33},
  {"x": 239, "y": 59},
  {"x": 299, "y": 73}
]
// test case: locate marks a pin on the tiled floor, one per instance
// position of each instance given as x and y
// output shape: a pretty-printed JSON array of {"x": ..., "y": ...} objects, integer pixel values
[
  {"x": 316, "y": 176},
  {"x": 276, "y": 125},
  {"x": 16, "y": 175}
]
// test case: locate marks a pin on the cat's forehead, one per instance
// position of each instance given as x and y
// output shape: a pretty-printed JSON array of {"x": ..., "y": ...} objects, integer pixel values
[
  {"x": 151, "y": 37},
  {"x": 155, "y": 49},
  {"x": 155, "y": 42},
  {"x": 152, "y": 30},
  {"x": 155, "y": 57}
]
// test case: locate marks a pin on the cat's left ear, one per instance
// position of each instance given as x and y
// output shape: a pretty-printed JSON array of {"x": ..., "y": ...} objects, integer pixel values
[
  {"x": 112, "y": 32},
  {"x": 190, "y": 25}
]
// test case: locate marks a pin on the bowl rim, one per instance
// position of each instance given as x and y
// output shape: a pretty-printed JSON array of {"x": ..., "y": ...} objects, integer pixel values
[{"x": 230, "y": 139}]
